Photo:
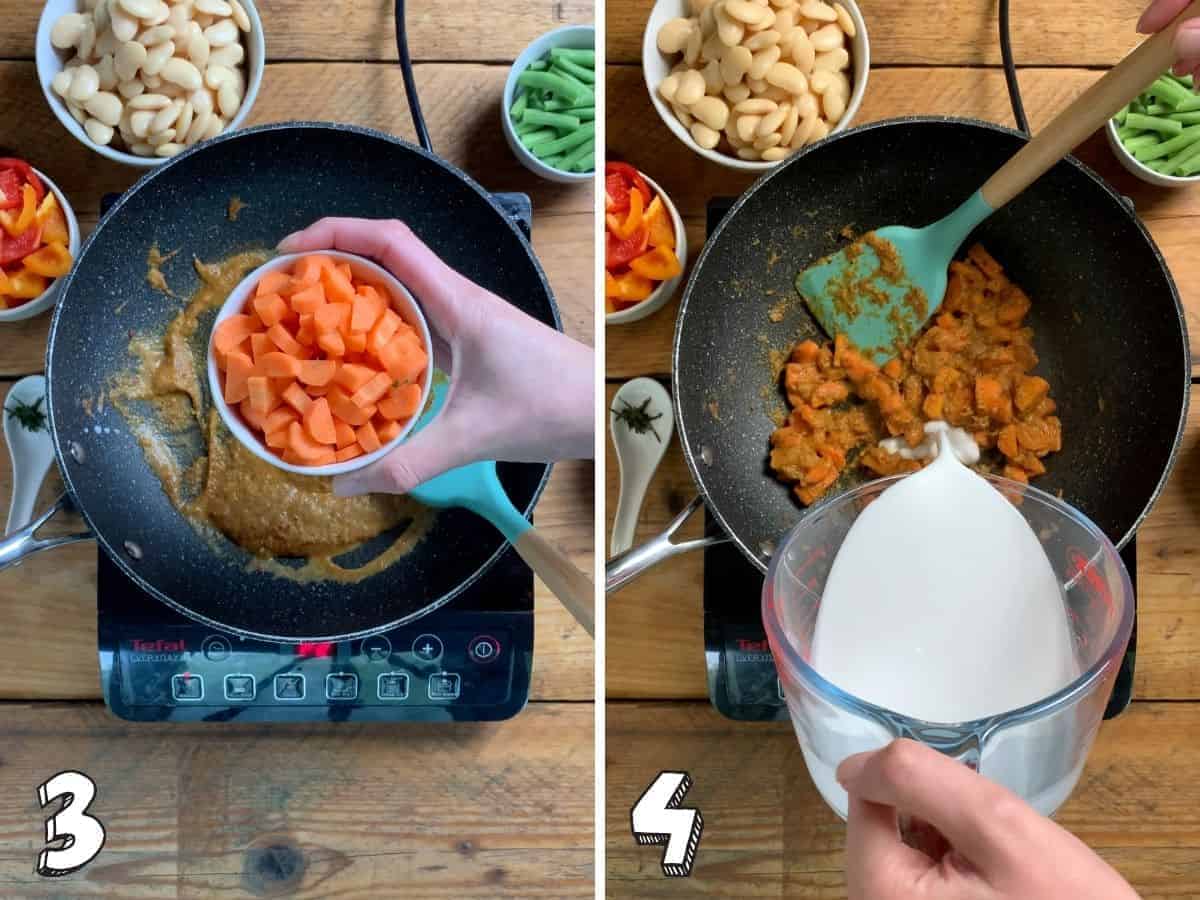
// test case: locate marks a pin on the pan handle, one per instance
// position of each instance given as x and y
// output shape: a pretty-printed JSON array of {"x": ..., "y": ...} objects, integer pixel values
[
  {"x": 20, "y": 544},
  {"x": 624, "y": 567}
]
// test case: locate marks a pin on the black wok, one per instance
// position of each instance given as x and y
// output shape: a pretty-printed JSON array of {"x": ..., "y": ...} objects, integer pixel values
[
  {"x": 1109, "y": 325},
  {"x": 287, "y": 175}
]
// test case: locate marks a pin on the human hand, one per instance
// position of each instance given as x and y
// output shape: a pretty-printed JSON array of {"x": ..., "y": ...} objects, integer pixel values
[
  {"x": 1161, "y": 13},
  {"x": 990, "y": 844},
  {"x": 519, "y": 390}
]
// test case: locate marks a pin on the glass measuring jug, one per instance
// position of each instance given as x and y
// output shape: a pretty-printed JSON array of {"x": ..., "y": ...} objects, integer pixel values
[{"x": 1037, "y": 751}]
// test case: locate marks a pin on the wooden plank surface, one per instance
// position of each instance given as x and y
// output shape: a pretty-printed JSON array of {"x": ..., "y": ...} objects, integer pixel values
[
  {"x": 636, "y": 134},
  {"x": 951, "y": 32},
  {"x": 767, "y": 833},
  {"x": 51, "y": 600},
  {"x": 655, "y": 628},
  {"x": 308, "y": 811},
  {"x": 360, "y": 30}
]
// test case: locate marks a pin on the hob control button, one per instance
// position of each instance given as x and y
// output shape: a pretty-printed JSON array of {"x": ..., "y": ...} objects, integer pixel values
[
  {"x": 427, "y": 648},
  {"x": 377, "y": 648},
  {"x": 393, "y": 686},
  {"x": 239, "y": 687},
  {"x": 483, "y": 649},
  {"x": 444, "y": 686},
  {"x": 341, "y": 686},
  {"x": 289, "y": 686},
  {"x": 216, "y": 648},
  {"x": 187, "y": 687}
]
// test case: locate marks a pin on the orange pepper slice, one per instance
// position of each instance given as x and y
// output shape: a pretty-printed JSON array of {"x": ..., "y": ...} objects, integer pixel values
[
  {"x": 25, "y": 285},
  {"x": 658, "y": 222},
  {"x": 658, "y": 264},
  {"x": 52, "y": 260},
  {"x": 633, "y": 221},
  {"x": 631, "y": 287},
  {"x": 17, "y": 223}
]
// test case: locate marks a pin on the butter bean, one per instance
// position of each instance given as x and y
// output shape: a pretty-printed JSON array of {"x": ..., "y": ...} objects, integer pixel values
[
  {"x": 691, "y": 88},
  {"x": 84, "y": 84},
  {"x": 712, "y": 78},
  {"x": 228, "y": 99},
  {"x": 128, "y": 59},
  {"x": 729, "y": 30},
  {"x": 756, "y": 85},
  {"x": 215, "y": 126},
  {"x": 139, "y": 122},
  {"x": 820, "y": 131},
  {"x": 217, "y": 8},
  {"x": 691, "y": 52},
  {"x": 107, "y": 73},
  {"x": 705, "y": 136},
  {"x": 833, "y": 61},
  {"x": 844, "y": 21},
  {"x": 61, "y": 83},
  {"x": 673, "y": 36},
  {"x": 790, "y": 121},
  {"x": 755, "y": 106},
  {"x": 240, "y": 17},
  {"x": 149, "y": 101},
  {"x": 788, "y": 77},
  {"x": 708, "y": 23},
  {"x": 152, "y": 82},
  {"x": 162, "y": 12},
  {"x": 161, "y": 137},
  {"x": 778, "y": 94},
  {"x": 87, "y": 41},
  {"x": 774, "y": 154},
  {"x": 767, "y": 22},
  {"x": 199, "y": 126},
  {"x": 156, "y": 58},
  {"x": 802, "y": 52},
  {"x": 762, "y": 62},
  {"x": 834, "y": 104},
  {"x": 748, "y": 153},
  {"x": 821, "y": 80},
  {"x": 130, "y": 89},
  {"x": 183, "y": 73},
  {"x": 712, "y": 111},
  {"x": 142, "y": 149},
  {"x": 767, "y": 141},
  {"x": 666, "y": 88},
  {"x": 828, "y": 37},
  {"x": 229, "y": 55},
  {"x": 165, "y": 117},
  {"x": 735, "y": 62},
  {"x": 745, "y": 11},
  {"x": 202, "y": 101},
  {"x": 808, "y": 106},
  {"x": 180, "y": 16},
  {"x": 67, "y": 30},
  {"x": 184, "y": 123},
  {"x": 772, "y": 121},
  {"x": 736, "y": 93},
  {"x": 762, "y": 39},
  {"x": 76, "y": 112},
  {"x": 803, "y": 130},
  {"x": 785, "y": 21},
  {"x": 747, "y": 126},
  {"x": 683, "y": 115},
  {"x": 124, "y": 26},
  {"x": 815, "y": 9},
  {"x": 157, "y": 35},
  {"x": 225, "y": 32},
  {"x": 105, "y": 106},
  {"x": 698, "y": 7},
  {"x": 712, "y": 48},
  {"x": 99, "y": 132},
  {"x": 167, "y": 150}
]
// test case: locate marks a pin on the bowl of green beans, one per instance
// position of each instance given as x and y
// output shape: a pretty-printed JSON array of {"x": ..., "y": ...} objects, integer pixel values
[
  {"x": 549, "y": 105},
  {"x": 1157, "y": 136}
]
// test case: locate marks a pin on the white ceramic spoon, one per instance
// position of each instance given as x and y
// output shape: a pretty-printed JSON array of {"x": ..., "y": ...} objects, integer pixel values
[
  {"x": 32, "y": 452},
  {"x": 638, "y": 455}
]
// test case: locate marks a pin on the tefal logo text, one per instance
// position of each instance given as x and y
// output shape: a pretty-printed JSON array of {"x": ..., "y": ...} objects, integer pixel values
[
  {"x": 753, "y": 646},
  {"x": 159, "y": 646}
]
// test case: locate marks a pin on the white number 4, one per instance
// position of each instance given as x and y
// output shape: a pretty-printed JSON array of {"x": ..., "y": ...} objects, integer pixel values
[{"x": 82, "y": 835}]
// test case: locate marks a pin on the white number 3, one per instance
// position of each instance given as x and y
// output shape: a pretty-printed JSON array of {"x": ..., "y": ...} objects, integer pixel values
[{"x": 82, "y": 835}]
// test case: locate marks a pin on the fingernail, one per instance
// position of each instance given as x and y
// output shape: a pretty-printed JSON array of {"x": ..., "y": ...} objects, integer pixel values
[
  {"x": 851, "y": 768},
  {"x": 1187, "y": 41}
]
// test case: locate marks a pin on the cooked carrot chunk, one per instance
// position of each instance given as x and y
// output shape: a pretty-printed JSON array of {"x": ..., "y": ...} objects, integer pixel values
[
  {"x": 352, "y": 376},
  {"x": 338, "y": 287},
  {"x": 308, "y": 270},
  {"x": 318, "y": 422},
  {"x": 372, "y": 392},
  {"x": 300, "y": 443},
  {"x": 278, "y": 440},
  {"x": 297, "y": 399},
  {"x": 272, "y": 283},
  {"x": 384, "y": 330},
  {"x": 280, "y": 365},
  {"x": 308, "y": 300},
  {"x": 233, "y": 331},
  {"x": 271, "y": 308},
  {"x": 328, "y": 318},
  {"x": 238, "y": 368},
  {"x": 401, "y": 402},
  {"x": 367, "y": 438},
  {"x": 388, "y": 431},
  {"x": 367, "y": 308},
  {"x": 332, "y": 344},
  {"x": 345, "y": 434},
  {"x": 344, "y": 408},
  {"x": 262, "y": 395},
  {"x": 404, "y": 358},
  {"x": 345, "y": 454},
  {"x": 279, "y": 418},
  {"x": 252, "y": 416},
  {"x": 306, "y": 335},
  {"x": 317, "y": 372},
  {"x": 282, "y": 338}
]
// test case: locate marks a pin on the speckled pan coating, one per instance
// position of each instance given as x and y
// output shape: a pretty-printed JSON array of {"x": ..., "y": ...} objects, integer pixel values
[
  {"x": 1109, "y": 325},
  {"x": 288, "y": 176}
]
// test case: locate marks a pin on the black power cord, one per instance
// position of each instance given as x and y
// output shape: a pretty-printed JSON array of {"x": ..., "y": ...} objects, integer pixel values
[
  {"x": 410, "y": 82},
  {"x": 1010, "y": 70}
]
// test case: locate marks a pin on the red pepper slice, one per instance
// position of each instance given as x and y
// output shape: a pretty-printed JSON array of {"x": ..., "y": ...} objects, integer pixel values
[
  {"x": 14, "y": 249},
  {"x": 25, "y": 173},
  {"x": 616, "y": 193},
  {"x": 632, "y": 177},
  {"x": 10, "y": 189},
  {"x": 618, "y": 253}
]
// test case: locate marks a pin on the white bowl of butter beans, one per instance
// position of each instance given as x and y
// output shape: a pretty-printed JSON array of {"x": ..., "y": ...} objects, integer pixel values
[
  {"x": 140, "y": 81},
  {"x": 747, "y": 83}
]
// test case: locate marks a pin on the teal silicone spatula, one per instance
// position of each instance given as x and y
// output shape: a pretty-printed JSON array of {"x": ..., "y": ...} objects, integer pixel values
[
  {"x": 881, "y": 302},
  {"x": 477, "y": 487}
]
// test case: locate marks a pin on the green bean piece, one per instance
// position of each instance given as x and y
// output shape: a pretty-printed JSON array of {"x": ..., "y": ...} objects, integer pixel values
[
  {"x": 1158, "y": 109},
  {"x": 1185, "y": 80},
  {"x": 1121, "y": 114},
  {"x": 1158, "y": 165},
  {"x": 1139, "y": 141},
  {"x": 553, "y": 81},
  {"x": 1165, "y": 148},
  {"x": 559, "y": 105},
  {"x": 1168, "y": 127},
  {"x": 581, "y": 154},
  {"x": 1191, "y": 167},
  {"x": 1191, "y": 104},
  {"x": 568, "y": 77},
  {"x": 556, "y": 120},
  {"x": 1136, "y": 107},
  {"x": 518, "y": 107},
  {"x": 1169, "y": 91},
  {"x": 579, "y": 56},
  {"x": 537, "y": 138},
  {"x": 1125, "y": 133},
  {"x": 525, "y": 128},
  {"x": 582, "y": 113},
  {"x": 1187, "y": 118},
  {"x": 1187, "y": 154},
  {"x": 586, "y": 75},
  {"x": 539, "y": 65},
  {"x": 567, "y": 142},
  {"x": 554, "y": 162}
]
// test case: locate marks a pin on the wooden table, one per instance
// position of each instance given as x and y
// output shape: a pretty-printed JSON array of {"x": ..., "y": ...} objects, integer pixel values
[
  {"x": 767, "y": 833},
  {"x": 310, "y": 811}
]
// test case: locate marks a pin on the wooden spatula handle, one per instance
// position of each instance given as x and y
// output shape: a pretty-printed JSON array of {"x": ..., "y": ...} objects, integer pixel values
[
  {"x": 1092, "y": 109},
  {"x": 572, "y": 587}
]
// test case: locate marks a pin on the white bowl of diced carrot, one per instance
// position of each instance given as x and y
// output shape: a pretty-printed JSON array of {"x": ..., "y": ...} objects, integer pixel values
[{"x": 320, "y": 363}]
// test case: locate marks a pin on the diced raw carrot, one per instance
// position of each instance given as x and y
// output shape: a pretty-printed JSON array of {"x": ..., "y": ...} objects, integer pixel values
[
  {"x": 332, "y": 344},
  {"x": 318, "y": 372},
  {"x": 279, "y": 419},
  {"x": 367, "y": 438},
  {"x": 388, "y": 431},
  {"x": 233, "y": 331},
  {"x": 345, "y": 269},
  {"x": 315, "y": 391},
  {"x": 308, "y": 269},
  {"x": 309, "y": 300},
  {"x": 260, "y": 346},
  {"x": 277, "y": 440},
  {"x": 263, "y": 398},
  {"x": 271, "y": 308},
  {"x": 326, "y": 457},
  {"x": 297, "y": 399},
  {"x": 271, "y": 283},
  {"x": 384, "y": 330},
  {"x": 238, "y": 368},
  {"x": 353, "y": 377},
  {"x": 290, "y": 457},
  {"x": 401, "y": 402},
  {"x": 282, "y": 338},
  {"x": 280, "y": 365},
  {"x": 318, "y": 422},
  {"x": 345, "y": 434},
  {"x": 345, "y": 454},
  {"x": 300, "y": 443},
  {"x": 368, "y": 307},
  {"x": 371, "y": 392},
  {"x": 253, "y": 418},
  {"x": 356, "y": 342},
  {"x": 328, "y": 318},
  {"x": 404, "y": 358},
  {"x": 306, "y": 335},
  {"x": 343, "y": 407},
  {"x": 338, "y": 287}
]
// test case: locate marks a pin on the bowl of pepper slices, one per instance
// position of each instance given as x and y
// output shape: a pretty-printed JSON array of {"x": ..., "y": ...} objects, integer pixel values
[
  {"x": 645, "y": 248},
  {"x": 39, "y": 240}
]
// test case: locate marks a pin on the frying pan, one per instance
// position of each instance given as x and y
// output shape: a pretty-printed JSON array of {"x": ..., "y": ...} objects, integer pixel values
[
  {"x": 288, "y": 175},
  {"x": 1109, "y": 327}
]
